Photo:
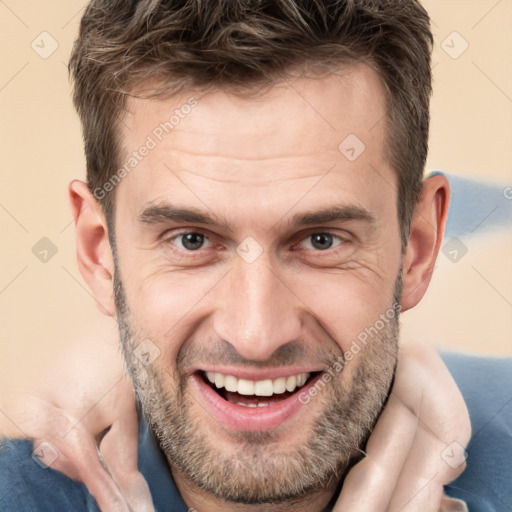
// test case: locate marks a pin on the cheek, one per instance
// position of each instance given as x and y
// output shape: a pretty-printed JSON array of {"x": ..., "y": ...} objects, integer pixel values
[
  {"x": 164, "y": 305},
  {"x": 345, "y": 304}
]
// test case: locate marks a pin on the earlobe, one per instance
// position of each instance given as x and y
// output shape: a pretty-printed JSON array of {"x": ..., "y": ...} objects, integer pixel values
[
  {"x": 425, "y": 238},
  {"x": 94, "y": 254}
]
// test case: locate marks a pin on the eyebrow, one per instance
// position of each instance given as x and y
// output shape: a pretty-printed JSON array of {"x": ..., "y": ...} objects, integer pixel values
[
  {"x": 343, "y": 213},
  {"x": 159, "y": 213},
  {"x": 156, "y": 214}
]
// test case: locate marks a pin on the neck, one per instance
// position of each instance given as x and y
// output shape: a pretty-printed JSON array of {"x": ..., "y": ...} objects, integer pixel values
[{"x": 198, "y": 500}]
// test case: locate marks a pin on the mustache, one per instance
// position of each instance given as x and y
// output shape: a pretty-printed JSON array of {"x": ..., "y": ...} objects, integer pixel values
[{"x": 221, "y": 352}]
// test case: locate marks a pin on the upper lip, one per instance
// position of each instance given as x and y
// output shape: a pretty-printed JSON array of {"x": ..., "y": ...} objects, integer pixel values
[{"x": 260, "y": 374}]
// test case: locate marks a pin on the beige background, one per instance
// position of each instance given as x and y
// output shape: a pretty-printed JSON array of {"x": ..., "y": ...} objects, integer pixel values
[{"x": 46, "y": 309}]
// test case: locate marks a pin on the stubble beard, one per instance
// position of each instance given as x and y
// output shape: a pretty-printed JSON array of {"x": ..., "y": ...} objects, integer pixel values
[{"x": 258, "y": 471}]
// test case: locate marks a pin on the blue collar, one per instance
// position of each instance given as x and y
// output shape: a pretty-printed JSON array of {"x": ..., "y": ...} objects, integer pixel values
[{"x": 153, "y": 465}]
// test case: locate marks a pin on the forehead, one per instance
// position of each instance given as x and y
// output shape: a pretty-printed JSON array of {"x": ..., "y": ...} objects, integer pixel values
[
  {"x": 290, "y": 135},
  {"x": 348, "y": 100}
]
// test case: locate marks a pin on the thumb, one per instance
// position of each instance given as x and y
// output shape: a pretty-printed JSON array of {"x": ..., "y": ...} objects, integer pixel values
[
  {"x": 76, "y": 455},
  {"x": 119, "y": 452}
]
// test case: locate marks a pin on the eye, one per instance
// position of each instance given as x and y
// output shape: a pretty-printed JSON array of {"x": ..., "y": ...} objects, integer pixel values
[
  {"x": 190, "y": 241},
  {"x": 321, "y": 241}
]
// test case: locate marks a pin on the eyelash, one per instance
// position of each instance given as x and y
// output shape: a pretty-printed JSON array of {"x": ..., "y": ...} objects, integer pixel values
[
  {"x": 308, "y": 237},
  {"x": 174, "y": 237},
  {"x": 342, "y": 241}
]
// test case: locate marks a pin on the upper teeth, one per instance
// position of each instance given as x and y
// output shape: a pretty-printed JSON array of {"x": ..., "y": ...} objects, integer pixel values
[{"x": 267, "y": 387}]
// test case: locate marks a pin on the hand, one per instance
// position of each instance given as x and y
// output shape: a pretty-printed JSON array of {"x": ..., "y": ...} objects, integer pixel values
[
  {"x": 403, "y": 469},
  {"x": 75, "y": 433}
]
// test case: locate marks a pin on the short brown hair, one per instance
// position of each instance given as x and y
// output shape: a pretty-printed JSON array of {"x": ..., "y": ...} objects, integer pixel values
[{"x": 243, "y": 44}]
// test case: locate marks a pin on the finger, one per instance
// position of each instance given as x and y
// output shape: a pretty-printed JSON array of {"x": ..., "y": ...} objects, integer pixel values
[
  {"x": 76, "y": 455},
  {"x": 437, "y": 453},
  {"x": 452, "y": 505},
  {"x": 369, "y": 485},
  {"x": 420, "y": 484},
  {"x": 443, "y": 409},
  {"x": 400, "y": 460},
  {"x": 74, "y": 450},
  {"x": 119, "y": 449},
  {"x": 100, "y": 484}
]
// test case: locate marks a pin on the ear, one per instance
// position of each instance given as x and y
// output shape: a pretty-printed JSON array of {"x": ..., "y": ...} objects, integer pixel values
[
  {"x": 95, "y": 259},
  {"x": 425, "y": 238}
]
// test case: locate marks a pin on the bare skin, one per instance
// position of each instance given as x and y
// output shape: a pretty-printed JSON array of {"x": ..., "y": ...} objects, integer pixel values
[
  {"x": 252, "y": 162},
  {"x": 407, "y": 434}
]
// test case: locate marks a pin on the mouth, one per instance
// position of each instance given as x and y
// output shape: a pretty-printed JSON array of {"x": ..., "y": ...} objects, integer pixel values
[
  {"x": 259, "y": 393},
  {"x": 249, "y": 404}
]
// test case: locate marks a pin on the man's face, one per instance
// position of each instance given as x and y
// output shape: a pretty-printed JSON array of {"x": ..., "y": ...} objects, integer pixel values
[{"x": 253, "y": 251}]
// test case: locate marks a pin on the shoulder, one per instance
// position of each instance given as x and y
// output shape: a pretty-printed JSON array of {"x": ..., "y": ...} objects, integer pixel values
[
  {"x": 27, "y": 486},
  {"x": 486, "y": 385}
]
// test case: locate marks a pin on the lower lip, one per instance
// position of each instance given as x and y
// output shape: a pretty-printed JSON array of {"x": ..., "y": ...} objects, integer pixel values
[{"x": 238, "y": 417}]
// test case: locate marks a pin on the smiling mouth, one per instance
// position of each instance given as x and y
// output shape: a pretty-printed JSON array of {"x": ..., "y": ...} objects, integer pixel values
[{"x": 251, "y": 393}]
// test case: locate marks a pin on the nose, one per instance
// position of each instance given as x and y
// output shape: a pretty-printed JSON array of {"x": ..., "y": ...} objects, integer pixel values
[{"x": 258, "y": 311}]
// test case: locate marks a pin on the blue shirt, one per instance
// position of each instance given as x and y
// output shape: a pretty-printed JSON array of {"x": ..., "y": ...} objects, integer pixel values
[{"x": 485, "y": 485}]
